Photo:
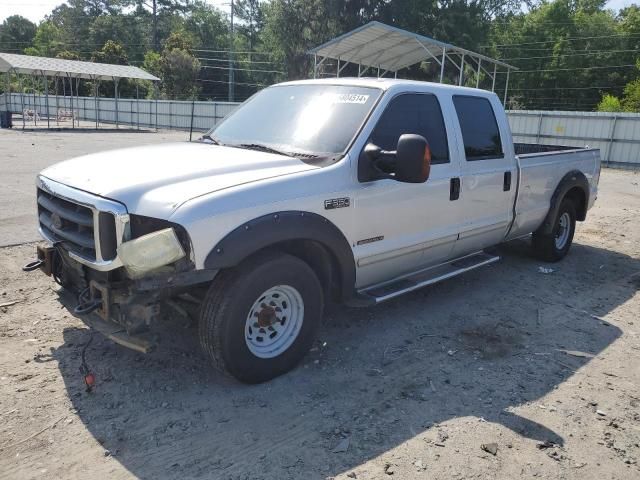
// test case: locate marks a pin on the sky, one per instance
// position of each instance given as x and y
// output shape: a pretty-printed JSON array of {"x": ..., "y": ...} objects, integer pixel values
[{"x": 35, "y": 10}]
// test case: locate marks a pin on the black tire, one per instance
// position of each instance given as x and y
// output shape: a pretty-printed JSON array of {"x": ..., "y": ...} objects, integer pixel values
[
  {"x": 544, "y": 244},
  {"x": 227, "y": 305}
]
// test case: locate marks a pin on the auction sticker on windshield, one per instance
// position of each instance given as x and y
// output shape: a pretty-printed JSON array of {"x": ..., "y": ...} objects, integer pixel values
[{"x": 349, "y": 98}]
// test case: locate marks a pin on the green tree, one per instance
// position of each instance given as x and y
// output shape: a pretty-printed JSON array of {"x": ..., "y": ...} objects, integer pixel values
[
  {"x": 631, "y": 97},
  {"x": 567, "y": 52},
  {"x": 153, "y": 63},
  {"x": 159, "y": 12},
  {"x": 251, "y": 16},
  {"x": 48, "y": 40},
  {"x": 180, "y": 40},
  {"x": 111, "y": 52},
  {"x": 16, "y": 34},
  {"x": 68, "y": 55},
  {"x": 609, "y": 103},
  {"x": 179, "y": 74}
]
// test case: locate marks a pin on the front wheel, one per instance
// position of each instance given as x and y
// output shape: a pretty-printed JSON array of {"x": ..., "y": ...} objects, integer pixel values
[
  {"x": 260, "y": 319},
  {"x": 552, "y": 247}
]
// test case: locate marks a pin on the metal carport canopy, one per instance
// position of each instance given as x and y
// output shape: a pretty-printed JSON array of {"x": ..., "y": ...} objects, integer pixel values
[
  {"x": 389, "y": 48},
  {"x": 44, "y": 66}
]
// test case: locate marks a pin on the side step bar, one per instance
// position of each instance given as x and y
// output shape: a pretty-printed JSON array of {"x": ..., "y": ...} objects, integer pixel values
[{"x": 381, "y": 293}]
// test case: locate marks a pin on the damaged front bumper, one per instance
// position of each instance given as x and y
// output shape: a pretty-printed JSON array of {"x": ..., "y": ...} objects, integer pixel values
[{"x": 124, "y": 307}]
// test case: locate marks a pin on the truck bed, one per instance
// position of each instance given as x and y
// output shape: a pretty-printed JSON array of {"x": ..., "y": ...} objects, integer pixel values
[
  {"x": 529, "y": 148},
  {"x": 541, "y": 167}
]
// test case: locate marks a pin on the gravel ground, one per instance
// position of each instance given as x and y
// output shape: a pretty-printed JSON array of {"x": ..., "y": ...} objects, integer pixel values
[{"x": 505, "y": 373}]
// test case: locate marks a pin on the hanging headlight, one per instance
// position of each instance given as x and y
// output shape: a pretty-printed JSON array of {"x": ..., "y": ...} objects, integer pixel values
[{"x": 150, "y": 251}]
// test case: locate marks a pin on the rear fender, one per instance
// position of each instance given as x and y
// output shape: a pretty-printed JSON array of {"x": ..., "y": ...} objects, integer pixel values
[{"x": 573, "y": 179}]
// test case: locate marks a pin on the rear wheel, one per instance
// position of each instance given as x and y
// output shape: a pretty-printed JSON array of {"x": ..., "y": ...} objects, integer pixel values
[
  {"x": 260, "y": 319},
  {"x": 552, "y": 247}
]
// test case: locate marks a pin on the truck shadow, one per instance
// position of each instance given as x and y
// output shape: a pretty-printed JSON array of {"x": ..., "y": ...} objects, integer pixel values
[{"x": 474, "y": 348}]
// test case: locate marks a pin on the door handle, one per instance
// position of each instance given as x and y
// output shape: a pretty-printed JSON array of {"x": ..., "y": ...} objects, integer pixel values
[
  {"x": 506, "y": 184},
  {"x": 454, "y": 189}
]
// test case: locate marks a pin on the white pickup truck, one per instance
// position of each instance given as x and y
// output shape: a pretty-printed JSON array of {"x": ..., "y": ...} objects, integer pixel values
[{"x": 342, "y": 190}]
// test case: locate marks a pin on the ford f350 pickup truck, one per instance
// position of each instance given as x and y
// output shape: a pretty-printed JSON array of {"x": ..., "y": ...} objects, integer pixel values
[{"x": 342, "y": 190}]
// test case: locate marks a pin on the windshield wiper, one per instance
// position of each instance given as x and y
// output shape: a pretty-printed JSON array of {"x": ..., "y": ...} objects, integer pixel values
[
  {"x": 206, "y": 136},
  {"x": 262, "y": 148}
]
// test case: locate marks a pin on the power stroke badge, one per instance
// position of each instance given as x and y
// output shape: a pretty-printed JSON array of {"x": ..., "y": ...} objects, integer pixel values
[{"x": 337, "y": 203}]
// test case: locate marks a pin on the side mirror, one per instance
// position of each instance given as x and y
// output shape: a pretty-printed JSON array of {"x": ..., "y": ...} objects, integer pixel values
[
  {"x": 413, "y": 159},
  {"x": 409, "y": 163}
]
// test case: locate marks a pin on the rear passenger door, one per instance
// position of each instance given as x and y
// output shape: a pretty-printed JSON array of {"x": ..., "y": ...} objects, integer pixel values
[
  {"x": 487, "y": 176},
  {"x": 402, "y": 227}
]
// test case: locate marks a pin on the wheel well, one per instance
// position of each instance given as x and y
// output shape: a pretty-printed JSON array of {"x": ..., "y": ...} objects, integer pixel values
[
  {"x": 578, "y": 197},
  {"x": 318, "y": 257}
]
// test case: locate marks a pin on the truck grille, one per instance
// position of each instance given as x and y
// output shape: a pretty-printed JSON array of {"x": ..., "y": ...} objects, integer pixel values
[
  {"x": 88, "y": 226},
  {"x": 67, "y": 222}
]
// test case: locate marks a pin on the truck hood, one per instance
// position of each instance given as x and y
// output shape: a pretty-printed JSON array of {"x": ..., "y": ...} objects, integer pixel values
[{"x": 155, "y": 180}]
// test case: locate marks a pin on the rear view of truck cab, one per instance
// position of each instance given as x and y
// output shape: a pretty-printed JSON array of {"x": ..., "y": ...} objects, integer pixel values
[{"x": 349, "y": 191}]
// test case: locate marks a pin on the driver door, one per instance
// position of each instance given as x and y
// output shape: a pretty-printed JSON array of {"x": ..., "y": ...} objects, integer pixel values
[{"x": 403, "y": 227}]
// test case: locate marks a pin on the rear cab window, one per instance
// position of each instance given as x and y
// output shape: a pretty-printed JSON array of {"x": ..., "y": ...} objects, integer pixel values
[
  {"x": 480, "y": 132},
  {"x": 416, "y": 113}
]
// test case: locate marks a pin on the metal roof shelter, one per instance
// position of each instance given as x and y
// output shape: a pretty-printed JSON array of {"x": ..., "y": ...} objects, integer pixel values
[
  {"x": 50, "y": 67},
  {"x": 70, "y": 70},
  {"x": 389, "y": 49}
]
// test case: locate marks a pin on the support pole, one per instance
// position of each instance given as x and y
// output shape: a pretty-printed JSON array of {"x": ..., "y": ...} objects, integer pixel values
[
  {"x": 73, "y": 112},
  {"x": 155, "y": 86},
  {"x": 137, "y": 106},
  {"x": 506, "y": 88},
  {"x": 98, "y": 103},
  {"x": 338, "y": 69},
  {"x": 231, "y": 79},
  {"x": 95, "y": 99},
  {"x": 46, "y": 99},
  {"x": 115, "y": 90},
  {"x": 7, "y": 90},
  {"x": 78, "y": 99},
  {"x": 193, "y": 106},
  {"x": 495, "y": 69},
  {"x": 55, "y": 86},
  {"x": 478, "y": 73},
  {"x": 612, "y": 139},
  {"x": 21, "y": 97},
  {"x": 315, "y": 64},
  {"x": 359, "y": 70},
  {"x": 461, "y": 70},
  {"x": 444, "y": 58}
]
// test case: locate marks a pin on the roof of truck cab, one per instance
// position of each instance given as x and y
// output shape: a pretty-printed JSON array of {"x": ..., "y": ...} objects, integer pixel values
[{"x": 388, "y": 83}]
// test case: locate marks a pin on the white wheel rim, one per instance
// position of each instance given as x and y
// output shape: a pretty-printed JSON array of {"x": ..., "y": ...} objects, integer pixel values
[
  {"x": 274, "y": 321},
  {"x": 562, "y": 235}
]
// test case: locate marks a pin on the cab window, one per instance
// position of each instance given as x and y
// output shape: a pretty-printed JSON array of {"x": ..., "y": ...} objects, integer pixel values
[
  {"x": 480, "y": 132},
  {"x": 415, "y": 113}
]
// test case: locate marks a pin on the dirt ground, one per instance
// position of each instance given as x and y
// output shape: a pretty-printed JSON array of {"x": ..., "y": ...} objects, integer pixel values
[{"x": 505, "y": 373}]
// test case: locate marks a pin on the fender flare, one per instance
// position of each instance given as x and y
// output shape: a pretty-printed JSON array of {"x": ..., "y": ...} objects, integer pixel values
[
  {"x": 574, "y": 178},
  {"x": 278, "y": 227}
]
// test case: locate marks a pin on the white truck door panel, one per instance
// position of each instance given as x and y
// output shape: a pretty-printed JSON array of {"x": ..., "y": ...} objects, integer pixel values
[
  {"x": 403, "y": 227},
  {"x": 488, "y": 176}
]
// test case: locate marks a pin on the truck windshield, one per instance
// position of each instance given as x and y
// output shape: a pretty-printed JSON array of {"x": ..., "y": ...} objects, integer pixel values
[{"x": 300, "y": 120}]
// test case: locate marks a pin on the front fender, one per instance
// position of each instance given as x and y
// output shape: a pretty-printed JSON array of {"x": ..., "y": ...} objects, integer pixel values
[{"x": 269, "y": 230}]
